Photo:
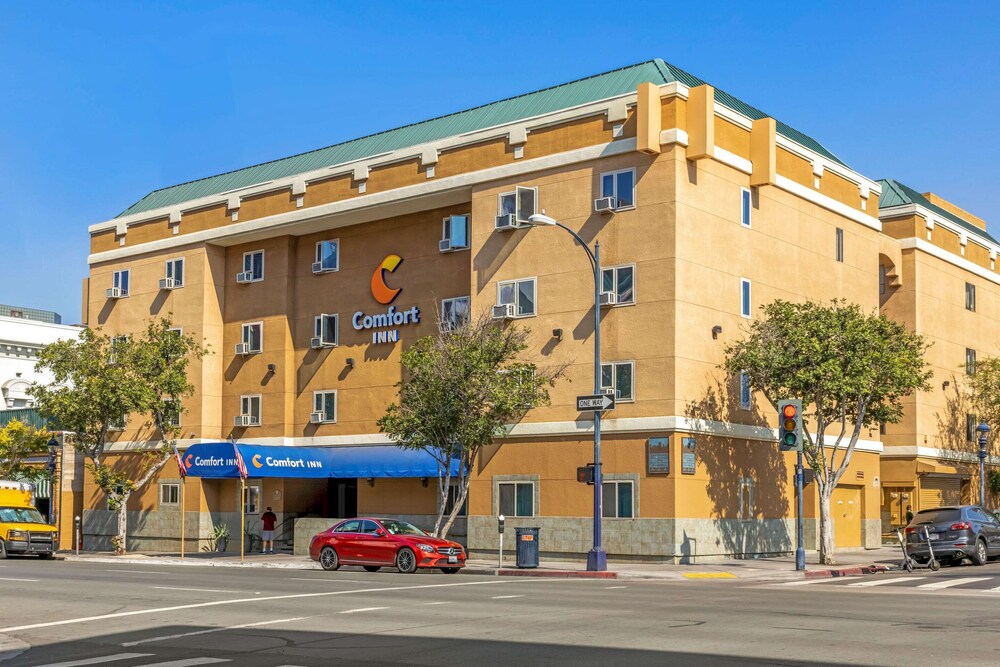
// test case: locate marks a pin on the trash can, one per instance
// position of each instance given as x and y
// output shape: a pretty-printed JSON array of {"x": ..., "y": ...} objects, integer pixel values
[{"x": 527, "y": 547}]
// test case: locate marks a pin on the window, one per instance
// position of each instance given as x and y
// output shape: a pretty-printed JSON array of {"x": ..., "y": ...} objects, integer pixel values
[
  {"x": 616, "y": 500},
  {"x": 172, "y": 413},
  {"x": 744, "y": 297},
  {"x": 253, "y": 263},
  {"x": 454, "y": 233},
  {"x": 170, "y": 493},
  {"x": 116, "y": 490},
  {"x": 325, "y": 403},
  {"x": 745, "y": 201},
  {"x": 621, "y": 281},
  {"x": 118, "y": 424},
  {"x": 521, "y": 293},
  {"x": 453, "y": 498},
  {"x": 840, "y": 244},
  {"x": 251, "y": 499},
  {"x": 253, "y": 337},
  {"x": 250, "y": 406},
  {"x": 881, "y": 278},
  {"x": 618, "y": 377},
  {"x": 746, "y": 506},
  {"x": 327, "y": 256},
  {"x": 327, "y": 329},
  {"x": 745, "y": 394},
  {"x": 970, "y": 361},
  {"x": 517, "y": 498},
  {"x": 352, "y": 526},
  {"x": 620, "y": 186},
  {"x": 120, "y": 281},
  {"x": 970, "y": 297},
  {"x": 175, "y": 271},
  {"x": 454, "y": 313},
  {"x": 118, "y": 348},
  {"x": 523, "y": 203},
  {"x": 970, "y": 428}
]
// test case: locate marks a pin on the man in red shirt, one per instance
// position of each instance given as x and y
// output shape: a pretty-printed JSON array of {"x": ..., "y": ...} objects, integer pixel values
[{"x": 268, "y": 519}]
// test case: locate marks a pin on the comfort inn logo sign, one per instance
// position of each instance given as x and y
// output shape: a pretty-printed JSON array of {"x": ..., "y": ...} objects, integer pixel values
[{"x": 384, "y": 294}]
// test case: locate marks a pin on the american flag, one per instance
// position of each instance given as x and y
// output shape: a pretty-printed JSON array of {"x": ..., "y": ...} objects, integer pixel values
[
  {"x": 240, "y": 465},
  {"x": 180, "y": 463}
]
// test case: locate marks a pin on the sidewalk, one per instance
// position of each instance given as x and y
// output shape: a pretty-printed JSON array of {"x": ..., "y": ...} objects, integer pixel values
[{"x": 778, "y": 568}]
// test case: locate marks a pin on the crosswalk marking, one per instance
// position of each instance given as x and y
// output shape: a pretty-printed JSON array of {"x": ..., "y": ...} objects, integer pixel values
[
  {"x": 151, "y": 640},
  {"x": 882, "y": 582},
  {"x": 190, "y": 662},
  {"x": 948, "y": 583},
  {"x": 356, "y": 611},
  {"x": 14, "y": 579},
  {"x": 98, "y": 661}
]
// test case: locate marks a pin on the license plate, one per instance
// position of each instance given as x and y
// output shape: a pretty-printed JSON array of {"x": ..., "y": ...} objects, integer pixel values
[
  {"x": 935, "y": 536},
  {"x": 452, "y": 559}
]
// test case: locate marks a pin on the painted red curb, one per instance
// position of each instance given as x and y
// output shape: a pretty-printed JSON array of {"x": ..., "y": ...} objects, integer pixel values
[
  {"x": 846, "y": 571},
  {"x": 563, "y": 574}
]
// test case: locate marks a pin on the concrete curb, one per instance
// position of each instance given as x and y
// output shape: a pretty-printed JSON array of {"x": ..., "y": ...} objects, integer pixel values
[
  {"x": 131, "y": 560},
  {"x": 847, "y": 571},
  {"x": 558, "y": 574}
]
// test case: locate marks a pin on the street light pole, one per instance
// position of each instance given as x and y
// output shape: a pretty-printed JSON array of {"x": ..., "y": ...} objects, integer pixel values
[
  {"x": 597, "y": 558},
  {"x": 984, "y": 430},
  {"x": 53, "y": 446}
]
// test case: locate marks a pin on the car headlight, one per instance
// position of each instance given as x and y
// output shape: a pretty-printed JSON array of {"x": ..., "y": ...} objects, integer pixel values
[
  {"x": 17, "y": 535},
  {"x": 426, "y": 548}
]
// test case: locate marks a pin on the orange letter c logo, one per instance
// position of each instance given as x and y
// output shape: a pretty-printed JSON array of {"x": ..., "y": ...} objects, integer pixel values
[{"x": 382, "y": 292}]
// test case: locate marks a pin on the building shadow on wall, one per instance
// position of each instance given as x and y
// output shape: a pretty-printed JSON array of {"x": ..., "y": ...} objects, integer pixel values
[
  {"x": 748, "y": 481},
  {"x": 953, "y": 430}
]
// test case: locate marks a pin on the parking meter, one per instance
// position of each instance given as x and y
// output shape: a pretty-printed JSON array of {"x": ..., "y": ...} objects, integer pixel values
[
  {"x": 500, "y": 526},
  {"x": 76, "y": 536}
]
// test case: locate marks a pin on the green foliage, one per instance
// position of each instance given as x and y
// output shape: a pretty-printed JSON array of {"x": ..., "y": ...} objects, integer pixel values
[
  {"x": 984, "y": 392},
  {"x": 993, "y": 482},
  {"x": 18, "y": 440}
]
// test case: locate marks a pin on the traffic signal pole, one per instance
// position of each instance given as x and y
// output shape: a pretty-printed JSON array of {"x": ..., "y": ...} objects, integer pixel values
[
  {"x": 800, "y": 550},
  {"x": 790, "y": 430}
]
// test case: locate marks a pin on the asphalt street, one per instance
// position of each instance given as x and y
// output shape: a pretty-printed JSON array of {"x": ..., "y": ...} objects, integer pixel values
[{"x": 74, "y": 613}]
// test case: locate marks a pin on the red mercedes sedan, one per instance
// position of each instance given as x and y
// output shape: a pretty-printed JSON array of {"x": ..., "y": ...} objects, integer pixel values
[{"x": 376, "y": 543}]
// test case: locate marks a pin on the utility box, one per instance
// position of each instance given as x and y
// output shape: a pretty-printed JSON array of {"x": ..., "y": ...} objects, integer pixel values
[{"x": 527, "y": 547}]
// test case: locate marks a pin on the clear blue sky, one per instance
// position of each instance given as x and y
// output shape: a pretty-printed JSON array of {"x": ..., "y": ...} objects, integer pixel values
[{"x": 102, "y": 102}]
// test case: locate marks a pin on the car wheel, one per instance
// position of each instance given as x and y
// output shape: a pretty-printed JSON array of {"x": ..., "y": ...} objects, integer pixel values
[
  {"x": 3, "y": 551},
  {"x": 406, "y": 561},
  {"x": 979, "y": 554},
  {"x": 372, "y": 568},
  {"x": 450, "y": 570},
  {"x": 328, "y": 559}
]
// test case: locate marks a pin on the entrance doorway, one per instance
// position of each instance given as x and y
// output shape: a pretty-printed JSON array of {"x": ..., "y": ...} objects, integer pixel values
[
  {"x": 342, "y": 498},
  {"x": 845, "y": 507}
]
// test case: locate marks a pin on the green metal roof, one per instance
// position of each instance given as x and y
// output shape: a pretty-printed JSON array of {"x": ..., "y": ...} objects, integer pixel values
[
  {"x": 895, "y": 193},
  {"x": 582, "y": 91},
  {"x": 29, "y": 416}
]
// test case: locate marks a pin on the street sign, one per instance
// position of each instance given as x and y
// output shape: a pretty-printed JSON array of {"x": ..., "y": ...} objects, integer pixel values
[{"x": 597, "y": 402}]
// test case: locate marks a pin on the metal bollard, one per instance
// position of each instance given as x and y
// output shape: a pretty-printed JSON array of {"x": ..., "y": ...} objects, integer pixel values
[
  {"x": 76, "y": 536},
  {"x": 500, "y": 526}
]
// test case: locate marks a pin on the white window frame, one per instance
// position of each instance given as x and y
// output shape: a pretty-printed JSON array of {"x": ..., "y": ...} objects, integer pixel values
[
  {"x": 318, "y": 329},
  {"x": 250, "y": 270},
  {"x": 614, "y": 379},
  {"x": 515, "y": 483},
  {"x": 176, "y": 422},
  {"x": 614, "y": 189},
  {"x": 746, "y": 305},
  {"x": 517, "y": 193},
  {"x": 970, "y": 361},
  {"x": 746, "y": 208},
  {"x": 251, "y": 499},
  {"x": 170, "y": 270},
  {"x": 175, "y": 491},
  {"x": 746, "y": 392},
  {"x": 614, "y": 279},
  {"x": 615, "y": 482},
  {"x": 840, "y": 244},
  {"x": 517, "y": 292},
  {"x": 319, "y": 404},
  {"x": 447, "y": 228},
  {"x": 116, "y": 281},
  {"x": 319, "y": 255},
  {"x": 246, "y": 407},
  {"x": 970, "y": 297},
  {"x": 448, "y": 322},
  {"x": 119, "y": 425},
  {"x": 246, "y": 338}
]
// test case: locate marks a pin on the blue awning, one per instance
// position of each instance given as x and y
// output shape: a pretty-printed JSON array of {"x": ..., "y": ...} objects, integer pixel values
[{"x": 218, "y": 460}]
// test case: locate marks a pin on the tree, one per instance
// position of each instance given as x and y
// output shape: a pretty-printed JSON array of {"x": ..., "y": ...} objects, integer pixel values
[
  {"x": 850, "y": 369},
  {"x": 99, "y": 381},
  {"x": 461, "y": 390},
  {"x": 18, "y": 440}
]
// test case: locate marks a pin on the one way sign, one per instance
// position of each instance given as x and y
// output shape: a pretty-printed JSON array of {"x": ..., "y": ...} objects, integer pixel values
[{"x": 597, "y": 402}]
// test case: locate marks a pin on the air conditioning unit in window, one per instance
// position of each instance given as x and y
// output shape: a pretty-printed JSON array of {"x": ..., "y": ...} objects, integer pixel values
[
  {"x": 317, "y": 267},
  {"x": 316, "y": 418},
  {"x": 114, "y": 293},
  {"x": 604, "y": 205},
  {"x": 242, "y": 349},
  {"x": 505, "y": 222},
  {"x": 608, "y": 299},
  {"x": 317, "y": 343},
  {"x": 445, "y": 245},
  {"x": 169, "y": 283},
  {"x": 244, "y": 276},
  {"x": 610, "y": 391},
  {"x": 504, "y": 311},
  {"x": 242, "y": 421}
]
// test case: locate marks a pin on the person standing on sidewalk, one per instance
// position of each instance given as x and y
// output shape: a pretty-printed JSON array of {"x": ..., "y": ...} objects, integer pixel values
[{"x": 268, "y": 520}]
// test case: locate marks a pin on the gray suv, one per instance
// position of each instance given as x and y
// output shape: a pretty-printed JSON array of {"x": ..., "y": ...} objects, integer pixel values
[{"x": 965, "y": 531}]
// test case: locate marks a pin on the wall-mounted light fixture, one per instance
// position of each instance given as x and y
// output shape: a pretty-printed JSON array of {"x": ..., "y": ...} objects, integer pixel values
[
  {"x": 424, "y": 482},
  {"x": 350, "y": 362},
  {"x": 716, "y": 330},
  {"x": 557, "y": 334},
  {"x": 371, "y": 481},
  {"x": 945, "y": 384},
  {"x": 271, "y": 368}
]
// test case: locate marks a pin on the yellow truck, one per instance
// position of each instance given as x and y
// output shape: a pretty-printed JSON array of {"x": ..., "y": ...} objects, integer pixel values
[{"x": 23, "y": 530}]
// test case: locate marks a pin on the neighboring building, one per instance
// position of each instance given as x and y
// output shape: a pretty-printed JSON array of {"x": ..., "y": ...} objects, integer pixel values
[
  {"x": 23, "y": 332},
  {"x": 705, "y": 209}
]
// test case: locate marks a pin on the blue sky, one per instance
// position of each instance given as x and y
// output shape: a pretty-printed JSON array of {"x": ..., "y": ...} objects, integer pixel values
[{"x": 102, "y": 102}]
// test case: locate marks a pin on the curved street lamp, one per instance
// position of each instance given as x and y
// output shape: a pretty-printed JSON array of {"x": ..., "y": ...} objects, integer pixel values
[
  {"x": 983, "y": 430},
  {"x": 53, "y": 446}
]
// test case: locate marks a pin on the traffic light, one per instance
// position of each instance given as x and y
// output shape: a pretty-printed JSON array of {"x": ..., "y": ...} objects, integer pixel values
[
  {"x": 585, "y": 474},
  {"x": 790, "y": 426}
]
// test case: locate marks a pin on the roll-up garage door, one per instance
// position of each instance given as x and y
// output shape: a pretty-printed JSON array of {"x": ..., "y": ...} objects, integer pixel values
[{"x": 940, "y": 491}]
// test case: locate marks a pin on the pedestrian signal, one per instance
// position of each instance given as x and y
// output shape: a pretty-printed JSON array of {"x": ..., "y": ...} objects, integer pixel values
[{"x": 790, "y": 426}]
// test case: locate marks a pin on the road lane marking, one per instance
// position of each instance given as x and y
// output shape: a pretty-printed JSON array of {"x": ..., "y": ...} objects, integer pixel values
[
  {"x": 807, "y": 582},
  {"x": 216, "y": 603},
  {"x": 164, "y": 638},
  {"x": 190, "y": 662},
  {"x": 98, "y": 661},
  {"x": 356, "y": 611},
  {"x": 505, "y": 597},
  {"x": 200, "y": 590},
  {"x": 331, "y": 581},
  {"x": 137, "y": 571},
  {"x": 428, "y": 604},
  {"x": 882, "y": 582},
  {"x": 937, "y": 585},
  {"x": 15, "y": 579},
  {"x": 613, "y": 588}
]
